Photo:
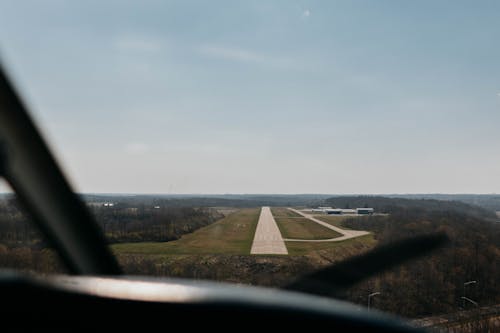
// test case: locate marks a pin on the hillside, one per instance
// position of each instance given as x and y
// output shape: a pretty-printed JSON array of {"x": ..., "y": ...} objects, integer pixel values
[{"x": 434, "y": 284}]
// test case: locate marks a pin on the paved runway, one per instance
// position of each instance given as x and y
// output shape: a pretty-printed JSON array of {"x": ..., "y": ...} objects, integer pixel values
[{"x": 267, "y": 239}]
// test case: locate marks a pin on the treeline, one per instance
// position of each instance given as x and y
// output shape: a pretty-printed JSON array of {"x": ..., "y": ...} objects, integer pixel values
[
  {"x": 23, "y": 247},
  {"x": 142, "y": 223},
  {"x": 487, "y": 201},
  {"x": 119, "y": 222},
  {"x": 15, "y": 227},
  {"x": 391, "y": 205},
  {"x": 225, "y": 200},
  {"x": 435, "y": 284}
]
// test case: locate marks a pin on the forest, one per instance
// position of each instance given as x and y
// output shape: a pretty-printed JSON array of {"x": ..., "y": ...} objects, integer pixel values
[
  {"x": 428, "y": 286},
  {"x": 119, "y": 222},
  {"x": 143, "y": 223},
  {"x": 434, "y": 284},
  {"x": 388, "y": 205},
  {"x": 490, "y": 202},
  {"x": 22, "y": 246}
]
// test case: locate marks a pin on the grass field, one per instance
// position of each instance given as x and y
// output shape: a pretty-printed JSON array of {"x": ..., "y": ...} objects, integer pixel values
[
  {"x": 302, "y": 228},
  {"x": 221, "y": 251},
  {"x": 347, "y": 247},
  {"x": 283, "y": 212},
  {"x": 334, "y": 220},
  {"x": 231, "y": 235}
]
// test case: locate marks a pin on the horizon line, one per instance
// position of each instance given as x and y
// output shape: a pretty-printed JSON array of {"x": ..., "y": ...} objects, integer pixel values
[{"x": 273, "y": 194}]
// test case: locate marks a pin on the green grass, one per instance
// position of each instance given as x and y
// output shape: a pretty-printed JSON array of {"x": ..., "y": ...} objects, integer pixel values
[
  {"x": 336, "y": 221},
  {"x": 351, "y": 245},
  {"x": 283, "y": 212},
  {"x": 231, "y": 235},
  {"x": 302, "y": 228}
]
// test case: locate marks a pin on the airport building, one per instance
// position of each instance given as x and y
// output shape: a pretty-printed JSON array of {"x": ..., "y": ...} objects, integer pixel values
[
  {"x": 364, "y": 211},
  {"x": 344, "y": 211}
]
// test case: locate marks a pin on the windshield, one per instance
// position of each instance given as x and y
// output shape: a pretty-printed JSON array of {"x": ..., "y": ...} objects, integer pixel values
[{"x": 256, "y": 142}]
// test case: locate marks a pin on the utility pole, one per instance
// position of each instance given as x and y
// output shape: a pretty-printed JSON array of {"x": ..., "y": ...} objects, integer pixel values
[{"x": 370, "y": 297}]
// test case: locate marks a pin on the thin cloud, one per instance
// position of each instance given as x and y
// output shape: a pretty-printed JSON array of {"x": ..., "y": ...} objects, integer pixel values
[{"x": 306, "y": 13}]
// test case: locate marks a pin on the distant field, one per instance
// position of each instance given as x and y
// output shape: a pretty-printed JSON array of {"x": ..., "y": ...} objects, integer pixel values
[
  {"x": 225, "y": 210},
  {"x": 231, "y": 235},
  {"x": 302, "y": 228},
  {"x": 283, "y": 212}
]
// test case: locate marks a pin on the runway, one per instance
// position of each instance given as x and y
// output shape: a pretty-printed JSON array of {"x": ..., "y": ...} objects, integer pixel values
[{"x": 267, "y": 239}]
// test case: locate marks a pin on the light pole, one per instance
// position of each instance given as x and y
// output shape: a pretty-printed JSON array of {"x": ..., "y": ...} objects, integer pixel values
[
  {"x": 463, "y": 296},
  {"x": 469, "y": 300},
  {"x": 370, "y": 297}
]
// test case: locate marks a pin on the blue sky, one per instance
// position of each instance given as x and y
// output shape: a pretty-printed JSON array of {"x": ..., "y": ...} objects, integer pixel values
[{"x": 263, "y": 96}]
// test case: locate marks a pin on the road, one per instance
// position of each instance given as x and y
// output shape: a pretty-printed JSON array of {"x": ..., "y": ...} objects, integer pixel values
[
  {"x": 267, "y": 239},
  {"x": 346, "y": 234},
  {"x": 463, "y": 321}
]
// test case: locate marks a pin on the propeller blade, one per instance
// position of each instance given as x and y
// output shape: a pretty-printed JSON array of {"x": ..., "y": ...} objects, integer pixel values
[{"x": 337, "y": 277}]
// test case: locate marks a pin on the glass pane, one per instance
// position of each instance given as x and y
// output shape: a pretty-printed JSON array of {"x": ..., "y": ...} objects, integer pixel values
[{"x": 358, "y": 123}]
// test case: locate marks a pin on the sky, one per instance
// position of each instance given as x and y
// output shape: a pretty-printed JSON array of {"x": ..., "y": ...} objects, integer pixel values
[{"x": 288, "y": 96}]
